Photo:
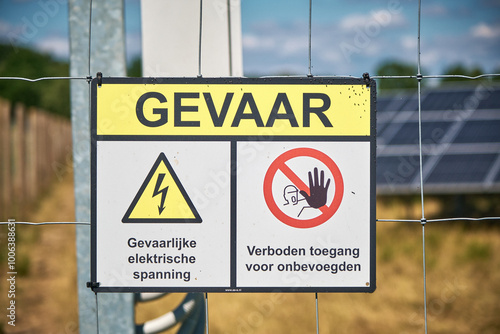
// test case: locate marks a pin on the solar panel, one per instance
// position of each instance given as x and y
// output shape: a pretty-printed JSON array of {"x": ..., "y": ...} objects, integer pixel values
[
  {"x": 410, "y": 105},
  {"x": 444, "y": 100},
  {"x": 382, "y": 102},
  {"x": 480, "y": 131},
  {"x": 408, "y": 133},
  {"x": 487, "y": 98},
  {"x": 460, "y": 137},
  {"x": 497, "y": 178},
  {"x": 458, "y": 168},
  {"x": 397, "y": 170}
]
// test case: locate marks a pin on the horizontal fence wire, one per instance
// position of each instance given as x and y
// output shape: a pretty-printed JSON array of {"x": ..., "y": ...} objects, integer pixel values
[
  {"x": 399, "y": 220},
  {"x": 46, "y": 78},
  {"x": 463, "y": 218},
  {"x": 437, "y": 76},
  {"x": 378, "y": 220},
  {"x": 417, "y": 77},
  {"x": 44, "y": 223},
  {"x": 439, "y": 220}
]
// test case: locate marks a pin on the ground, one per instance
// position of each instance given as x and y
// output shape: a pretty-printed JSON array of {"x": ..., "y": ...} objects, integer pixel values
[
  {"x": 46, "y": 298},
  {"x": 463, "y": 282}
]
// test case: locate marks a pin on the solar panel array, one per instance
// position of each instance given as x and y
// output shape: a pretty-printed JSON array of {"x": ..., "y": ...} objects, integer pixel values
[{"x": 460, "y": 141}]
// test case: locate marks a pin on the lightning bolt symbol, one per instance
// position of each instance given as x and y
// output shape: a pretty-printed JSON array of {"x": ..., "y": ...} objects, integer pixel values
[{"x": 162, "y": 191}]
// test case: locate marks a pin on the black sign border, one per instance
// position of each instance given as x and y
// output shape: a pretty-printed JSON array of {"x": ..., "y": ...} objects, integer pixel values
[{"x": 97, "y": 82}]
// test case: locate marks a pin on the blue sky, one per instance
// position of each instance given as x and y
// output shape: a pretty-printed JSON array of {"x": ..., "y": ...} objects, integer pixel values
[{"x": 348, "y": 37}]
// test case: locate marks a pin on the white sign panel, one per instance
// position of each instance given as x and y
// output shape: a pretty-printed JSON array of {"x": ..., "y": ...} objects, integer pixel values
[{"x": 283, "y": 239}]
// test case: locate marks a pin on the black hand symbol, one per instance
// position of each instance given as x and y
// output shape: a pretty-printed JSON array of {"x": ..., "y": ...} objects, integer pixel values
[{"x": 318, "y": 190}]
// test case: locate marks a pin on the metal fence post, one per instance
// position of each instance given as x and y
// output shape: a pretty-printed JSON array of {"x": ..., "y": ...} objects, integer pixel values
[{"x": 101, "y": 30}]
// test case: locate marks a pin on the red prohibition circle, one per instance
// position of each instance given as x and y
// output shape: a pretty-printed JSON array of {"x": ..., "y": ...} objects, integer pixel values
[{"x": 280, "y": 164}]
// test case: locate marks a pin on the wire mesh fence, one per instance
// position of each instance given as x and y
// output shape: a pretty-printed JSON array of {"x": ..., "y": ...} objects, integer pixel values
[{"x": 432, "y": 305}]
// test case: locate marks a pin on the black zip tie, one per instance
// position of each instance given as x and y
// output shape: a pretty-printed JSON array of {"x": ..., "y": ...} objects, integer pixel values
[
  {"x": 366, "y": 78},
  {"x": 89, "y": 78},
  {"x": 99, "y": 79},
  {"x": 93, "y": 285}
]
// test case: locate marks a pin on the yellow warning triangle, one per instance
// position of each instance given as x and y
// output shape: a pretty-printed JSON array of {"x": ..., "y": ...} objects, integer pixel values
[{"x": 161, "y": 198}]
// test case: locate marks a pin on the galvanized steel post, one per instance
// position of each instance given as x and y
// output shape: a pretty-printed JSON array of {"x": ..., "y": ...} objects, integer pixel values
[{"x": 97, "y": 43}]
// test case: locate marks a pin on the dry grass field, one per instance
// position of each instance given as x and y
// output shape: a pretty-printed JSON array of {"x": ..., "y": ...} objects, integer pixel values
[
  {"x": 463, "y": 282},
  {"x": 46, "y": 297}
]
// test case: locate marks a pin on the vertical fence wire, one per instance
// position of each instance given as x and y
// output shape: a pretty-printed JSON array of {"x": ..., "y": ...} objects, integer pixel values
[
  {"x": 199, "y": 76},
  {"x": 97, "y": 312},
  {"x": 199, "y": 38},
  {"x": 419, "y": 93},
  {"x": 90, "y": 37},
  {"x": 206, "y": 312},
  {"x": 229, "y": 38},
  {"x": 309, "y": 74},
  {"x": 310, "y": 29},
  {"x": 317, "y": 313}
]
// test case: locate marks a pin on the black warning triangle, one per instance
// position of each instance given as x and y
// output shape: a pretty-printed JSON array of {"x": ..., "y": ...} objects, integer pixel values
[{"x": 161, "y": 198}]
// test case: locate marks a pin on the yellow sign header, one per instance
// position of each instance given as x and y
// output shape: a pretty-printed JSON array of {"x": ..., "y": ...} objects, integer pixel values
[{"x": 227, "y": 109}]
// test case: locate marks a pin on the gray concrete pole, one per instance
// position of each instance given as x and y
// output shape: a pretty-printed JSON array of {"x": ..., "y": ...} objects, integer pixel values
[{"x": 115, "y": 311}]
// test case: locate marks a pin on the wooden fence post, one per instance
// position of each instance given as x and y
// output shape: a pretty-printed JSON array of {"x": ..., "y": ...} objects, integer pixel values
[
  {"x": 5, "y": 161},
  {"x": 31, "y": 155},
  {"x": 18, "y": 159}
]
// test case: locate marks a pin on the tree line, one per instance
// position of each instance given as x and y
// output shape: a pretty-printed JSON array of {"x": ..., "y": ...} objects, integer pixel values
[
  {"x": 54, "y": 96},
  {"x": 50, "y": 95}
]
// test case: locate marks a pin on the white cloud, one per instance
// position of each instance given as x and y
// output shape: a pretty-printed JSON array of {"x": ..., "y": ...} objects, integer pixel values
[
  {"x": 374, "y": 49},
  {"x": 281, "y": 40},
  {"x": 434, "y": 10},
  {"x": 386, "y": 18},
  {"x": 272, "y": 48},
  {"x": 353, "y": 21},
  {"x": 477, "y": 48},
  {"x": 294, "y": 45},
  {"x": 381, "y": 17},
  {"x": 257, "y": 42},
  {"x": 54, "y": 45},
  {"x": 430, "y": 58},
  {"x": 332, "y": 56},
  {"x": 282, "y": 48},
  {"x": 482, "y": 30},
  {"x": 409, "y": 42}
]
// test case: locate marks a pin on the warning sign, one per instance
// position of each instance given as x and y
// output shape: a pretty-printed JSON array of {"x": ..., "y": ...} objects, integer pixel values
[
  {"x": 233, "y": 184},
  {"x": 315, "y": 202},
  {"x": 162, "y": 198},
  {"x": 283, "y": 239}
]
